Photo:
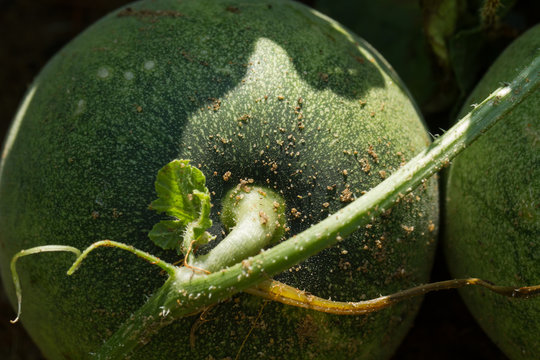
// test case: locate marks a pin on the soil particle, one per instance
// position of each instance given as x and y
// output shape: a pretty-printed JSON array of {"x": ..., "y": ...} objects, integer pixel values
[
  {"x": 346, "y": 195},
  {"x": 232, "y": 9},
  {"x": 373, "y": 154}
]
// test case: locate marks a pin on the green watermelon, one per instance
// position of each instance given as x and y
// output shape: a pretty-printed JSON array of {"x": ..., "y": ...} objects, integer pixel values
[
  {"x": 493, "y": 210},
  {"x": 269, "y": 91}
]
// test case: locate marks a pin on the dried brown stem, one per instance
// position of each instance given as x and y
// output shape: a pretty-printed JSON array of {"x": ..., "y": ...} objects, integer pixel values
[{"x": 277, "y": 291}]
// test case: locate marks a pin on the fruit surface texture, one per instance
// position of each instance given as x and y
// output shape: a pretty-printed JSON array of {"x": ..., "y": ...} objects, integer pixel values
[
  {"x": 271, "y": 93},
  {"x": 493, "y": 212}
]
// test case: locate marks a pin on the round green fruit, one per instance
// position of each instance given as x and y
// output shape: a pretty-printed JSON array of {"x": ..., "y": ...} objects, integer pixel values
[
  {"x": 268, "y": 91},
  {"x": 493, "y": 210}
]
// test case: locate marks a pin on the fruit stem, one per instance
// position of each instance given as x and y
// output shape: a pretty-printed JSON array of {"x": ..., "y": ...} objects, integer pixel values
[
  {"x": 256, "y": 217},
  {"x": 180, "y": 297}
]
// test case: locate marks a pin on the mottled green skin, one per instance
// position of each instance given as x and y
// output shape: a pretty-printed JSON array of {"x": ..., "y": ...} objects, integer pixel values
[
  {"x": 141, "y": 88},
  {"x": 493, "y": 210}
]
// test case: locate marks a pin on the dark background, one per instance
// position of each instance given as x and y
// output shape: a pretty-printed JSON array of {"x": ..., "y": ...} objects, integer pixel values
[{"x": 31, "y": 31}]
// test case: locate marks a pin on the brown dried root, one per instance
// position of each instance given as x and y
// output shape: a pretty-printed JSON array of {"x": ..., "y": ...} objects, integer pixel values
[{"x": 277, "y": 291}]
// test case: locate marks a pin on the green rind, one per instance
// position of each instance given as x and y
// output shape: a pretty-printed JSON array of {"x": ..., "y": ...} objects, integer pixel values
[
  {"x": 169, "y": 80},
  {"x": 493, "y": 210}
]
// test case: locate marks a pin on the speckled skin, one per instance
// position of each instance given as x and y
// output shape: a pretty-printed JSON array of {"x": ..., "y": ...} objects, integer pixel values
[
  {"x": 493, "y": 216},
  {"x": 270, "y": 91}
]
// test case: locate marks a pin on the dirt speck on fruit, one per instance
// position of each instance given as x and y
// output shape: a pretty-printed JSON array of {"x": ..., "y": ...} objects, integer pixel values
[{"x": 150, "y": 15}]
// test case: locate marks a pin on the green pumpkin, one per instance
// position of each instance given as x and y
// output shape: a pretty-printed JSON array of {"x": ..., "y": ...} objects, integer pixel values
[
  {"x": 493, "y": 212},
  {"x": 269, "y": 91}
]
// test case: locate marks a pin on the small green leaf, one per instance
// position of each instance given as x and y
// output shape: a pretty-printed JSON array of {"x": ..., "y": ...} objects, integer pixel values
[
  {"x": 182, "y": 194},
  {"x": 166, "y": 233}
]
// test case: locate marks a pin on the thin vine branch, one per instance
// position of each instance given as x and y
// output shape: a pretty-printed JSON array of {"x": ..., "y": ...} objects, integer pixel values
[
  {"x": 277, "y": 291},
  {"x": 26, "y": 252},
  {"x": 178, "y": 298},
  {"x": 170, "y": 269}
]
